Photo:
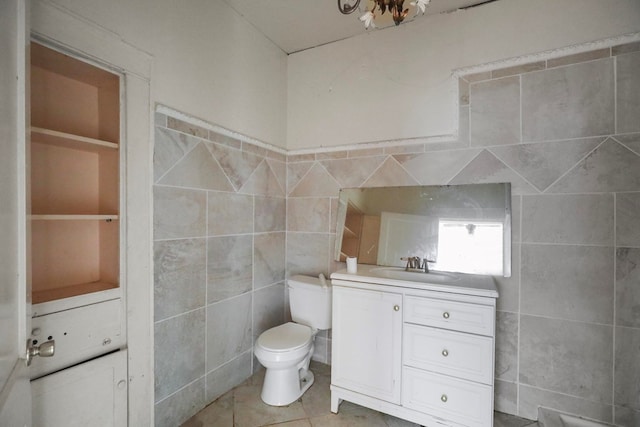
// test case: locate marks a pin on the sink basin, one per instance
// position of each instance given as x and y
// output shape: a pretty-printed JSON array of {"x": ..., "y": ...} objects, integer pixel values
[{"x": 398, "y": 273}]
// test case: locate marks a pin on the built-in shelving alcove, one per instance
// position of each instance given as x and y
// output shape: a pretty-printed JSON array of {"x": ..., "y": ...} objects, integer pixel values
[{"x": 74, "y": 176}]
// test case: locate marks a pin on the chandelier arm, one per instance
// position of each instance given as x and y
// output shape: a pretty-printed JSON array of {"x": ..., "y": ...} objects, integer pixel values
[{"x": 345, "y": 9}]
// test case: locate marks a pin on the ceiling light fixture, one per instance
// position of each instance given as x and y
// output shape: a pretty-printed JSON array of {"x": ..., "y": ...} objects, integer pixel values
[{"x": 394, "y": 7}]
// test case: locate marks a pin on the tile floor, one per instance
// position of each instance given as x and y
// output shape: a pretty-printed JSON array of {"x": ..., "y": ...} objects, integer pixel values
[{"x": 242, "y": 407}]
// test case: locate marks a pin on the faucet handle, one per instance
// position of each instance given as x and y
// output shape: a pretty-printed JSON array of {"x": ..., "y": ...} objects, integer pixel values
[{"x": 425, "y": 264}]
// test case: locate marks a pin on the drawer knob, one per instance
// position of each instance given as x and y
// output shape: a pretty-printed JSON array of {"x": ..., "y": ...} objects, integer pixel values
[
  {"x": 445, "y": 314},
  {"x": 444, "y": 398},
  {"x": 396, "y": 307},
  {"x": 445, "y": 352}
]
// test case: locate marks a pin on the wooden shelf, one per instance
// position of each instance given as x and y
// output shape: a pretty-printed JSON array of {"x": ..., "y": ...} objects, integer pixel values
[
  {"x": 74, "y": 217},
  {"x": 68, "y": 140},
  {"x": 38, "y": 297}
]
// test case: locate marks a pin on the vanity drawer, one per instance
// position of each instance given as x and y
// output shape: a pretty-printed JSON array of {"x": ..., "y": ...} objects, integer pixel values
[
  {"x": 464, "y": 402},
  {"x": 458, "y": 354},
  {"x": 457, "y": 316}
]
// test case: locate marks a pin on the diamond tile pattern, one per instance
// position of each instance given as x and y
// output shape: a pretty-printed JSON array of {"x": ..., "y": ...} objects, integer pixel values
[{"x": 562, "y": 132}]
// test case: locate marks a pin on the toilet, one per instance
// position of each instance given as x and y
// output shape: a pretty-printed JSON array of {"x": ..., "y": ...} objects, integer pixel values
[{"x": 286, "y": 350}]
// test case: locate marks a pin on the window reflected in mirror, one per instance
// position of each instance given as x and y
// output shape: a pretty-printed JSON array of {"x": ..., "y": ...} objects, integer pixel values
[{"x": 456, "y": 228}]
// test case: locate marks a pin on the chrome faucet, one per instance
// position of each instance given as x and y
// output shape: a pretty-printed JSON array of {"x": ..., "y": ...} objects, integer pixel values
[{"x": 415, "y": 263}]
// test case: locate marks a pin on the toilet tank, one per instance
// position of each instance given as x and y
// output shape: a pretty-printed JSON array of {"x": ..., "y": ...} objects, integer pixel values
[{"x": 310, "y": 302}]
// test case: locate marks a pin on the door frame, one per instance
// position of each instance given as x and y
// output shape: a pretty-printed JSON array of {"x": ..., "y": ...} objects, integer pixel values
[{"x": 59, "y": 26}]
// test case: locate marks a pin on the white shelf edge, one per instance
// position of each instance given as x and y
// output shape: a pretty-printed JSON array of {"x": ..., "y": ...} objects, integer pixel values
[
  {"x": 74, "y": 138},
  {"x": 72, "y": 217}
]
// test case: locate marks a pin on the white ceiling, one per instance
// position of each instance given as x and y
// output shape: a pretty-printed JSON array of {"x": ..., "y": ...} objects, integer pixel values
[{"x": 296, "y": 25}]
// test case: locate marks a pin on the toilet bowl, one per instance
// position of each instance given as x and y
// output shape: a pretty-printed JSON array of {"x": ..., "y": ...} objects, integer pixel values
[{"x": 286, "y": 350}]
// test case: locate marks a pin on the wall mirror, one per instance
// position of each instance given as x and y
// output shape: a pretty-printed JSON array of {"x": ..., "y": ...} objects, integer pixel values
[{"x": 460, "y": 228}]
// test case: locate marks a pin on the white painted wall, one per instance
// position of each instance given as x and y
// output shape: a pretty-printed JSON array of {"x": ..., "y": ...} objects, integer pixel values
[
  {"x": 396, "y": 83},
  {"x": 208, "y": 61}
]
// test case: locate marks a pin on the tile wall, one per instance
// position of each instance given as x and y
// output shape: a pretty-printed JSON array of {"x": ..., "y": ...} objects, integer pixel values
[
  {"x": 565, "y": 132},
  {"x": 219, "y": 257}
]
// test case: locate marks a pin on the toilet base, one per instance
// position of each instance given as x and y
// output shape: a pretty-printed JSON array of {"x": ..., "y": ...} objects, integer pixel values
[{"x": 284, "y": 386}]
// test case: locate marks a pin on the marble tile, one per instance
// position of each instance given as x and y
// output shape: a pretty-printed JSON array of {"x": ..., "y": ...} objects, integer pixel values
[
  {"x": 317, "y": 400},
  {"x": 311, "y": 214},
  {"x": 627, "y": 230},
  {"x": 567, "y": 282},
  {"x": 231, "y": 374},
  {"x": 509, "y": 287},
  {"x": 579, "y": 57},
  {"x": 628, "y": 287},
  {"x": 366, "y": 152},
  {"x": 347, "y": 417},
  {"x": 505, "y": 397},
  {"x": 270, "y": 214},
  {"x": 331, "y": 155},
  {"x": 610, "y": 167},
  {"x": 567, "y": 357},
  {"x": 404, "y": 149},
  {"x": 568, "y": 102},
  {"x": 169, "y": 147},
  {"x": 320, "y": 350},
  {"x": 255, "y": 149},
  {"x": 197, "y": 169},
  {"x": 307, "y": 253},
  {"x": 268, "y": 308},
  {"x": 531, "y": 398},
  {"x": 630, "y": 140},
  {"x": 249, "y": 410},
  {"x": 627, "y": 368},
  {"x": 186, "y": 127},
  {"x": 628, "y": 93},
  {"x": 518, "y": 69},
  {"x": 229, "y": 266},
  {"x": 390, "y": 173},
  {"x": 543, "y": 163},
  {"x": 159, "y": 119},
  {"x": 316, "y": 183},
  {"x": 217, "y": 414},
  {"x": 279, "y": 169},
  {"x": 436, "y": 167},
  {"x": 228, "y": 330},
  {"x": 486, "y": 168},
  {"x": 572, "y": 219},
  {"x": 268, "y": 259},
  {"x": 263, "y": 182},
  {"x": 237, "y": 165},
  {"x": 506, "y": 420},
  {"x": 506, "y": 346},
  {"x": 179, "y": 352},
  {"x": 295, "y": 173},
  {"x": 626, "y": 416},
  {"x": 352, "y": 172},
  {"x": 476, "y": 77},
  {"x": 307, "y": 157},
  {"x": 178, "y": 407},
  {"x": 179, "y": 276},
  {"x": 495, "y": 112},
  {"x": 178, "y": 213},
  {"x": 224, "y": 140},
  {"x": 621, "y": 49},
  {"x": 229, "y": 213}
]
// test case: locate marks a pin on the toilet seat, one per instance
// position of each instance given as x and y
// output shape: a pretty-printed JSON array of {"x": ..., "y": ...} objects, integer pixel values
[{"x": 285, "y": 338}]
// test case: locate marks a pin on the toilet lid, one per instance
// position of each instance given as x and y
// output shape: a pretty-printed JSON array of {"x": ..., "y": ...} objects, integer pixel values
[{"x": 289, "y": 336}]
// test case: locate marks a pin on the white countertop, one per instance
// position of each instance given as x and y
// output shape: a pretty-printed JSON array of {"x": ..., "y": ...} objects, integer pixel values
[{"x": 458, "y": 283}]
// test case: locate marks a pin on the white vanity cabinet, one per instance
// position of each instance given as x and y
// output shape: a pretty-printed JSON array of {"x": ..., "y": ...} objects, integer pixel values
[
  {"x": 369, "y": 340},
  {"x": 417, "y": 351}
]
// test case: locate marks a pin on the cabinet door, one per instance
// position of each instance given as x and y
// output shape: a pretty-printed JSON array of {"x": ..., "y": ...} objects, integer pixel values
[
  {"x": 367, "y": 327},
  {"x": 93, "y": 393}
]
